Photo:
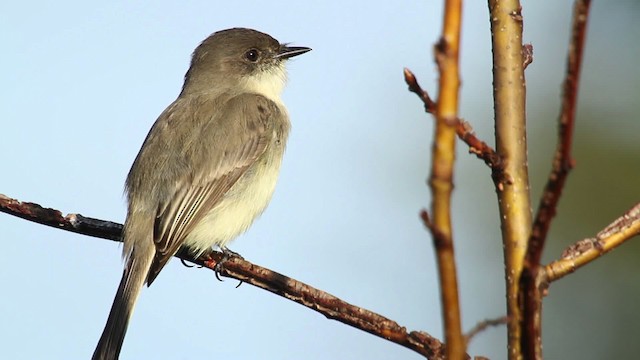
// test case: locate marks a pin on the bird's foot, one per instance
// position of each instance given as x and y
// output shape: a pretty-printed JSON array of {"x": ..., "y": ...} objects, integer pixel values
[
  {"x": 185, "y": 263},
  {"x": 229, "y": 254},
  {"x": 226, "y": 256}
]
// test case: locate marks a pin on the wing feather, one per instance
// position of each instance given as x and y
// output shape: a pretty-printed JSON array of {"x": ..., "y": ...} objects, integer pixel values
[{"x": 232, "y": 141}]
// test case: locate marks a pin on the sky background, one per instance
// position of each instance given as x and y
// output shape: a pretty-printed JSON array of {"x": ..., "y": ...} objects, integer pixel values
[{"x": 83, "y": 83}]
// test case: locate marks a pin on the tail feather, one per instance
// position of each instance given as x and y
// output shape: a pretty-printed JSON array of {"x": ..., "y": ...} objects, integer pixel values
[{"x": 133, "y": 278}]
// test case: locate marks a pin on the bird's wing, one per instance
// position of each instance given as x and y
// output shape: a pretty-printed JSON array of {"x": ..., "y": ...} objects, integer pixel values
[{"x": 233, "y": 139}]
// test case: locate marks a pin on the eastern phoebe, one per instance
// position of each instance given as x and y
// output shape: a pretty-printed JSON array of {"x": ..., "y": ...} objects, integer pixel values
[{"x": 209, "y": 165}]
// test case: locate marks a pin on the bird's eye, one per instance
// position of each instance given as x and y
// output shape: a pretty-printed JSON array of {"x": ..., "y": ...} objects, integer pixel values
[{"x": 252, "y": 55}]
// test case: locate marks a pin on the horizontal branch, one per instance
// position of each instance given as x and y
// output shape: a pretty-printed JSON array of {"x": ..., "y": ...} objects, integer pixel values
[
  {"x": 237, "y": 268},
  {"x": 585, "y": 251},
  {"x": 72, "y": 222}
]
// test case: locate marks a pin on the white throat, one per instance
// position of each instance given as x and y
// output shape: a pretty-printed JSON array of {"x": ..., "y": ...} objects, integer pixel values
[{"x": 268, "y": 83}]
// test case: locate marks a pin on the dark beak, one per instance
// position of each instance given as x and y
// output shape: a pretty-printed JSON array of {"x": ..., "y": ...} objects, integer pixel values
[{"x": 291, "y": 51}]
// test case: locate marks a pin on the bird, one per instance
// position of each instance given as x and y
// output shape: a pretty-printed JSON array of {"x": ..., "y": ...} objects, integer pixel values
[{"x": 209, "y": 165}]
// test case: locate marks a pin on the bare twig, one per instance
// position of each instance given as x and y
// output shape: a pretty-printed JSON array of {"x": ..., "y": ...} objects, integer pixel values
[
  {"x": 483, "y": 325},
  {"x": 527, "y": 54},
  {"x": 511, "y": 145},
  {"x": 463, "y": 129},
  {"x": 54, "y": 218},
  {"x": 562, "y": 164},
  {"x": 424, "y": 215},
  {"x": 237, "y": 268},
  {"x": 414, "y": 87},
  {"x": 441, "y": 179},
  {"x": 585, "y": 251},
  {"x": 563, "y": 161}
]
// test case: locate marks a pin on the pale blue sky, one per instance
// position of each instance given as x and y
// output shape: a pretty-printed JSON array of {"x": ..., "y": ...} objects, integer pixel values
[{"x": 82, "y": 84}]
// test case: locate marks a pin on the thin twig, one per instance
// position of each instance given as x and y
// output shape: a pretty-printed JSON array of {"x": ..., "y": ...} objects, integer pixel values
[
  {"x": 483, "y": 325},
  {"x": 527, "y": 54},
  {"x": 563, "y": 161},
  {"x": 414, "y": 87},
  {"x": 237, "y": 268},
  {"x": 562, "y": 164},
  {"x": 463, "y": 129},
  {"x": 441, "y": 178},
  {"x": 585, "y": 251},
  {"x": 424, "y": 215}
]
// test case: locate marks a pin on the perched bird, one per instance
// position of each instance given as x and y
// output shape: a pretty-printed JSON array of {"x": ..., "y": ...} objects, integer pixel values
[{"x": 208, "y": 166}]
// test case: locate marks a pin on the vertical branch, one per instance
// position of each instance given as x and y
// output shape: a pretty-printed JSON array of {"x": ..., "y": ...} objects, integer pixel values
[
  {"x": 562, "y": 164},
  {"x": 441, "y": 179},
  {"x": 511, "y": 145}
]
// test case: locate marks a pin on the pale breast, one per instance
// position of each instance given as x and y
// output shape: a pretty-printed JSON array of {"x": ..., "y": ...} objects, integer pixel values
[{"x": 243, "y": 203}]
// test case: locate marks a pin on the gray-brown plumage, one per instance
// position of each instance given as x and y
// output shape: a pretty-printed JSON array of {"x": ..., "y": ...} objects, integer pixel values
[{"x": 209, "y": 165}]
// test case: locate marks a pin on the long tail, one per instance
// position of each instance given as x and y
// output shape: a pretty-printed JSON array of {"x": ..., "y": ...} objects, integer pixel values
[{"x": 133, "y": 278}]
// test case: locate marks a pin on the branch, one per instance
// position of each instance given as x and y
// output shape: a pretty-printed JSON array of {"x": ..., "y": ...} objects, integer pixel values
[
  {"x": 441, "y": 178},
  {"x": 237, "y": 268},
  {"x": 563, "y": 161},
  {"x": 585, "y": 251},
  {"x": 509, "y": 59},
  {"x": 562, "y": 164},
  {"x": 463, "y": 129},
  {"x": 483, "y": 325}
]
